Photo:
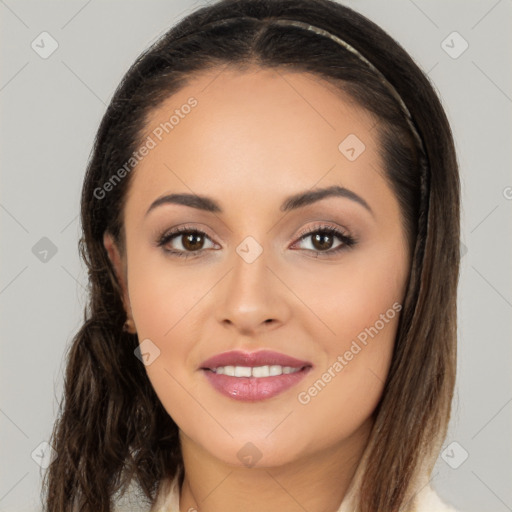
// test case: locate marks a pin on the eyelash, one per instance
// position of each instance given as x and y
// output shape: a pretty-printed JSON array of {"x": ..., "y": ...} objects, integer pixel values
[{"x": 348, "y": 240}]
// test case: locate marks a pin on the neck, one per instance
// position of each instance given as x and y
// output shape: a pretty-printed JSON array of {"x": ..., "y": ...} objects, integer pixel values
[{"x": 316, "y": 483}]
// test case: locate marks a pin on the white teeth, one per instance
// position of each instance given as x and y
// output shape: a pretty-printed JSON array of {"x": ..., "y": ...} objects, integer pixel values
[
  {"x": 229, "y": 370},
  {"x": 256, "y": 371},
  {"x": 242, "y": 371},
  {"x": 275, "y": 369},
  {"x": 261, "y": 371}
]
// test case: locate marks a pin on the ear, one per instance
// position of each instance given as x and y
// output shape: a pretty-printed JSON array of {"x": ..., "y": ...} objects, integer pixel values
[{"x": 117, "y": 263}]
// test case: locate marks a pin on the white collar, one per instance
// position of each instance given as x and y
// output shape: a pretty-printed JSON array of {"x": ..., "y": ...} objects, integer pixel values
[{"x": 427, "y": 500}]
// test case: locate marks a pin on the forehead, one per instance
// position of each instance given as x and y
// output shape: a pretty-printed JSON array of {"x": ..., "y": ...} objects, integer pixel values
[
  {"x": 260, "y": 101},
  {"x": 260, "y": 130}
]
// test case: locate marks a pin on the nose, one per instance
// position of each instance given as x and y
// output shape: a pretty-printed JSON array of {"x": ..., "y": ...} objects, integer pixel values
[{"x": 252, "y": 297}]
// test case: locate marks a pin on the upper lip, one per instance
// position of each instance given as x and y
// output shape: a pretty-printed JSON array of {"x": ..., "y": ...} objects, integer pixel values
[{"x": 260, "y": 358}]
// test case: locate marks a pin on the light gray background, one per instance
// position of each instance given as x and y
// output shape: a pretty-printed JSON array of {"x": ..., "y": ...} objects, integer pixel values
[{"x": 50, "y": 111}]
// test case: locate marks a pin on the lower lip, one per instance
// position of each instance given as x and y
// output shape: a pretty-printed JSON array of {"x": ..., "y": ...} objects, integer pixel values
[{"x": 251, "y": 389}]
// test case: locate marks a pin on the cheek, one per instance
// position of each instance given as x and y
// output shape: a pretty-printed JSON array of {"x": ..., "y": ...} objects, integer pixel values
[
  {"x": 163, "y": 296},
  {"x": 361, "y": 305},
  {"x": 165, "y": 302},
  {"x": 350, "y": 297},
  {"x": 342, "y": 394}
]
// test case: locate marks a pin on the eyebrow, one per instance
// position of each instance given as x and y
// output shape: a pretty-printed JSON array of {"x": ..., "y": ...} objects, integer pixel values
[{"x": 293, "y": 202}]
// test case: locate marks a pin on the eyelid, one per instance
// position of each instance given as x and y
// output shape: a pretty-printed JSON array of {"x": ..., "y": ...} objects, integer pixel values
[
  {"x": 322, "y": 226},
  {"x": 179, "y": 229}
]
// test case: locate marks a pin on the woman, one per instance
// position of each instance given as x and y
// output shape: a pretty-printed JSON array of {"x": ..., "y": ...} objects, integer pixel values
[{"x": 271, "y": 225}]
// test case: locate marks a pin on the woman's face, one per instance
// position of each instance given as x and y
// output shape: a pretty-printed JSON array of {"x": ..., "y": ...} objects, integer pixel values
[{"x": 264, "y": 276}]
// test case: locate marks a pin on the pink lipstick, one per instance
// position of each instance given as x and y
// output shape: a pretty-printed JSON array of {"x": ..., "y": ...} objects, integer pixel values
[{"x": 253, "y": 376}]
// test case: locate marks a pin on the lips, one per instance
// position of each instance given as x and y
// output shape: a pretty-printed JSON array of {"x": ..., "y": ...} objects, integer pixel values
[
  {"x": 254, "y": 388},
  {"x": 252, "y": 359}
]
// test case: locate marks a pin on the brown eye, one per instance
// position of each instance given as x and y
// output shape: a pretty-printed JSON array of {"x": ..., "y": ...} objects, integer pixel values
[
  {"x": 323, "y": 239},
  {"x": 192, "y": 241},
  {"x": 183, "y": 241}
]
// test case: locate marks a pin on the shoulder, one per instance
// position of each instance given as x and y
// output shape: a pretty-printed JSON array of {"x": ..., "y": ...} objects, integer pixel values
[
  {"x": 167, "y": 499},
  {"x": 168, "y": 496},
  {"x": 429, "y": 501}
]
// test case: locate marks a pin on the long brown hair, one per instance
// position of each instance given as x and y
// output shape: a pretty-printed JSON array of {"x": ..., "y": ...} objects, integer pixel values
[{"x": 112, "y": 429}]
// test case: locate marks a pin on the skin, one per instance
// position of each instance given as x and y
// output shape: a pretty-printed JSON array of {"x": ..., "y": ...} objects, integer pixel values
[{"x": 256, "y": 137}]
